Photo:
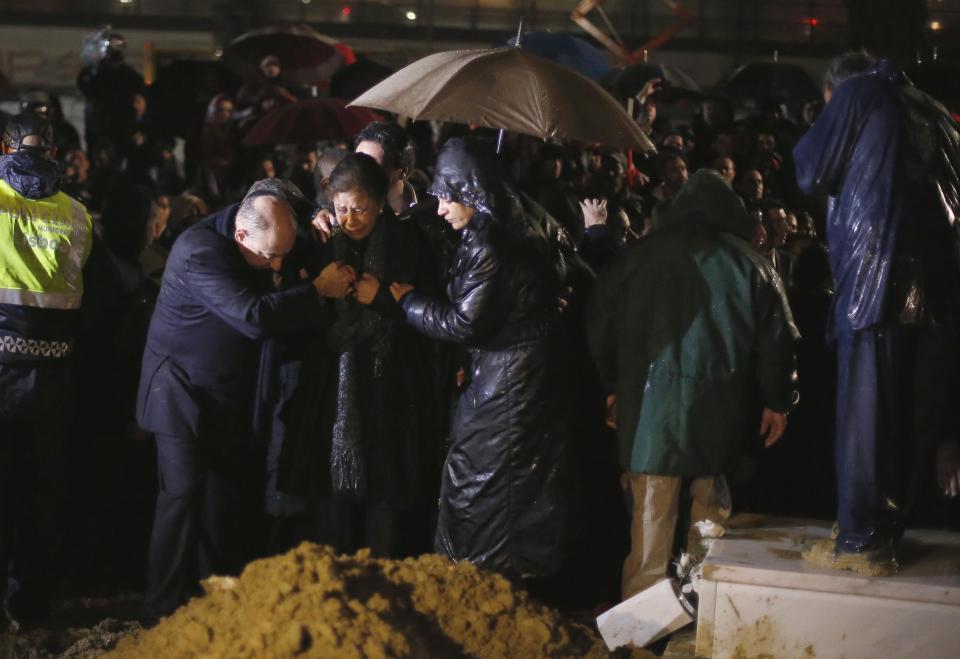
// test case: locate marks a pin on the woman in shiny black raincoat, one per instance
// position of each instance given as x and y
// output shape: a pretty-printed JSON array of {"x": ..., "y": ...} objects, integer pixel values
[{"x": 500, "y": 502}]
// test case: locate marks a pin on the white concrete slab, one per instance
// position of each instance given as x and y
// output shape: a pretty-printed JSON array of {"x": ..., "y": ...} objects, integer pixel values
[
  {"x": 759, "y": 598},
  {"x": 645, "y": 617}
]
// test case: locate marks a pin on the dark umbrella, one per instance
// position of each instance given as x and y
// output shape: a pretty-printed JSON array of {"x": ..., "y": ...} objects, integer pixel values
[
  {"x": 677, "y": 84},
  {"x": 309, "y": 121},
  {"x": 356, "y": 78},
  {"x": 305, "y": 55},
  {"x": 772, "y": 81},
  {"x": 182, "y": 90},
  {"x": 566, "y": 50}
]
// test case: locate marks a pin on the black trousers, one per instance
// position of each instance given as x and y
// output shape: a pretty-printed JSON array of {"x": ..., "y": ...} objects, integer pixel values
[
  {"x": 206, "y": 517},
  {"x": 33, "y": 467}
]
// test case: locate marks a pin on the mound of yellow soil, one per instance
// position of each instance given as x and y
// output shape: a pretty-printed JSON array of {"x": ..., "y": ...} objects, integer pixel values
[{"x": 310, "y": 602}]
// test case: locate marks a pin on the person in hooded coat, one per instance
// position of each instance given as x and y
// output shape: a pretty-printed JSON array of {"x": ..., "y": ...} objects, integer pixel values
[
  {"x": 887, "y": 156},
  {"x": 691, "y": 332},
  {"x": 500, "y": 498}
]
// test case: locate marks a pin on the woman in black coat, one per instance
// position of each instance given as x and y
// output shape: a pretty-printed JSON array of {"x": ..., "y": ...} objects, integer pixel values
[
  {"x": 500, "y": 493},
  {"x": 363, "y": 440}
]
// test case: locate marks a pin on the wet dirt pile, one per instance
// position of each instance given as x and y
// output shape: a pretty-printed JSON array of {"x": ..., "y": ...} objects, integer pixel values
[{"x": 310, "y": 602}]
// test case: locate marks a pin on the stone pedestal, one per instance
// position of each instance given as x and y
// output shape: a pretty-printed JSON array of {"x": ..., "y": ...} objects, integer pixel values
[{"x": 759, "y": 598}]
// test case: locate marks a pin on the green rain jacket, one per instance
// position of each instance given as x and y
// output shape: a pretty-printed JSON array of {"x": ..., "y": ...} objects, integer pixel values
[{"x": 691, "y": 329}]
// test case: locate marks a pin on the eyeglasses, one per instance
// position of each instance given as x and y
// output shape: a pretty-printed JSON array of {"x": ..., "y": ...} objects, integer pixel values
[{"x": 343, "y": 210}]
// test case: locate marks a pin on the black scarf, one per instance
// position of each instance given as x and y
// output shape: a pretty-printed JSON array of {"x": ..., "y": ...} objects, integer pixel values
[{"x": 356, "y": 323}]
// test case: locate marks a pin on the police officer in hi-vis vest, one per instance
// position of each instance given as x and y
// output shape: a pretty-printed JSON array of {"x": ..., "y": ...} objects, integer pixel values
[{"x": 45, "y": 239}]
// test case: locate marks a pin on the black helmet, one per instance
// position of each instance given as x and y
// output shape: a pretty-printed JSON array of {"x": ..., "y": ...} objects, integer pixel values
[
  {"x": 38, "y": 102},
  {"x": 28, "y": 125}
]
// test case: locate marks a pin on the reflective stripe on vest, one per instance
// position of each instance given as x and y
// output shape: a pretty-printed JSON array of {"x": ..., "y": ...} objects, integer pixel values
[{"x": 43, "y": 246}]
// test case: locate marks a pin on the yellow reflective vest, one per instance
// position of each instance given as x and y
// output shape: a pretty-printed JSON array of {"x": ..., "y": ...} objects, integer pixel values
[{"x": 44, "y": 244}]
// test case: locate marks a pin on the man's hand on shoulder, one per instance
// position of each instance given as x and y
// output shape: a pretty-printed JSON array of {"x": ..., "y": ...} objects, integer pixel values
[{"x": 324, "y": 225}]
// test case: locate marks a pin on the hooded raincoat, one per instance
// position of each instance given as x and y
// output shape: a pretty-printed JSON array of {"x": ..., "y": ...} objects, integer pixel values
[
  {"x": 500, "y": 502},
  {"x": 691, "y": 329},
  {"x": 887, "y": 156},
  {"x": 891, "y": 246}
]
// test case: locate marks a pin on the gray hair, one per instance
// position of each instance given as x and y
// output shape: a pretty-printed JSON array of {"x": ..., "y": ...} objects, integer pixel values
[
  {"x": 846, "y": 66},
  {"x": 252, "y": 218}
]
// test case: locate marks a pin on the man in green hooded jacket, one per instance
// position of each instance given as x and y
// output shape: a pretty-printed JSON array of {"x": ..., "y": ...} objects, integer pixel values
[{"x": 692, "y": 334}]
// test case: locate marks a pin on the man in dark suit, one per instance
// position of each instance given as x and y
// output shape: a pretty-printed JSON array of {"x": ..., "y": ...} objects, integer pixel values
[{"x": 198, "y": 379}]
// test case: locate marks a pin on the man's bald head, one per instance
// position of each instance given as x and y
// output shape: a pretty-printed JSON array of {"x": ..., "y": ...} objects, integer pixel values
[{"x": 265, "y": 230}]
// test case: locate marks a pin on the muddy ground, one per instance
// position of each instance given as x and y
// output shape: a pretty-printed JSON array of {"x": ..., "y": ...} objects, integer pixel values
[{"x": 80, "y": 628}]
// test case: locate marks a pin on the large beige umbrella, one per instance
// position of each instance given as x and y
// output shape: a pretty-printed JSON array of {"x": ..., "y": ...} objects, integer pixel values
[{"x": 507, "y": 88}]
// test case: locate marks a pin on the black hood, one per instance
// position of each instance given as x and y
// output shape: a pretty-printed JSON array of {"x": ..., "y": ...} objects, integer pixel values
[
  {"x": 469, "y": 174},
  {"x": 31, "y": 174}
]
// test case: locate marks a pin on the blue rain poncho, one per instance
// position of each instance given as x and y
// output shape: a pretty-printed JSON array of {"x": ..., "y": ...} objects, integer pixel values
[{"x": 887, "y": 156}]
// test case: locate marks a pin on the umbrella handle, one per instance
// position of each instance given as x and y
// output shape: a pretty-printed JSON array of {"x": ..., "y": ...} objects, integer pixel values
[
  {"x": 516, "y": 44},
  {"x": 519, "y": 40}
]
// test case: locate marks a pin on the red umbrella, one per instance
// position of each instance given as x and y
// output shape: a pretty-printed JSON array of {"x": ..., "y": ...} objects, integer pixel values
[
  {"x": 310, "y": 120},
  {"x": 305, "y": 55},
  {"x": 349, "y": 57}
]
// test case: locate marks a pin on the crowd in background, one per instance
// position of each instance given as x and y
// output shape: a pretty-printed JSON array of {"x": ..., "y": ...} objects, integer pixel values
[{"x": 144, "y": 191}]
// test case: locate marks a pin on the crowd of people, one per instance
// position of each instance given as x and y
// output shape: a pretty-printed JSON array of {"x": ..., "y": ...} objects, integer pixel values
[{"x": 408, "y": 342}]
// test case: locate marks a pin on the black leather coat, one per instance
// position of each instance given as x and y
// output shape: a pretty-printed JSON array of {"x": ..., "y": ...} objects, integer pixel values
[{"x": 501, "y": 492}]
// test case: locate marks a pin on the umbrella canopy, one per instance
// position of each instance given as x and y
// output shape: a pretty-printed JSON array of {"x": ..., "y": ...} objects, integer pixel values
[
  {"x": 354, "y": 79},
  {"x": 772, "y": 81},
  {"x": 308, "y": 121},
  {"x": 305, "y": 55},
  {"x": 677, "y": 84},
  {"x": 507, "y": 88},
  {"x": 566, "y": 50}
]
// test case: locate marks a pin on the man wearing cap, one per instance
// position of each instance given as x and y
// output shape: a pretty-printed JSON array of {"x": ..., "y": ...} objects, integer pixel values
[
  {"x": 45, "y": 239},
  {"x": 198, "y": 380},
  {"x": 47, "y": 105}
]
